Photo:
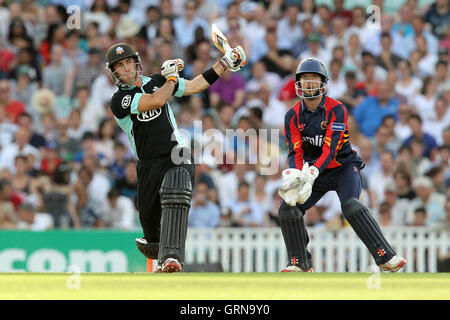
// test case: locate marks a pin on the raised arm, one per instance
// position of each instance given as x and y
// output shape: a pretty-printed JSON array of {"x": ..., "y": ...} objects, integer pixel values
[
  {"x": 233, "y": 60},
  {"x": 199, "y": 83}
]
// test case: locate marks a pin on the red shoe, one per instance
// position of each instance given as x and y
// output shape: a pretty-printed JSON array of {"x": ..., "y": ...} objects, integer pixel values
[
  {"x": 394, "y": 264},
  {"x": 171, "y": 265}
]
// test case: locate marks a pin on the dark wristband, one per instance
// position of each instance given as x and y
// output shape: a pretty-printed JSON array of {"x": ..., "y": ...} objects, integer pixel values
[{"x": 210, "y": 76}]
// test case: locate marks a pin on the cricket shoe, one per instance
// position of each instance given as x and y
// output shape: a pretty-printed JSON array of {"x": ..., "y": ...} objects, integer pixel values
[
  {"x": 394, "y": 264},
  {"x": 171, "y": 265},
  {"x": 293, "y": 268}
]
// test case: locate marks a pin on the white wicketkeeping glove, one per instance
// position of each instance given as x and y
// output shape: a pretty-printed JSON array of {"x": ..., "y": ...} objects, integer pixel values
[
  {"x": 309, "y": 174},
  {"x": 234, "y": 59},
  {"x": 291, "y": 187},
  {"x": 172, "y": 68}
]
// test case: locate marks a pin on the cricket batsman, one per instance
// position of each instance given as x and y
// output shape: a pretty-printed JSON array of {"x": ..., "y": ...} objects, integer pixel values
[
  {"x": 140, "y": 107},
  {"x": 320, "y": 160}
]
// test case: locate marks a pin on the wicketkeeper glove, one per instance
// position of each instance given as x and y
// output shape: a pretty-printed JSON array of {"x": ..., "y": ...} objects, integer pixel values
[
  {"x": 234, "y": 59},
  {"x": 309, "y": 174},
  {"x": 292, "y": 184},
  {"x": 171, "y": 69}
]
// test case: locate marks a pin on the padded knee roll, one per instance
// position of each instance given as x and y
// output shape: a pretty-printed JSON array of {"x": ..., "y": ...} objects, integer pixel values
[
  {"x": 361, "y": 220},
  {"x": 294, "y": 234},
  {"x": 175, "y": 194}
]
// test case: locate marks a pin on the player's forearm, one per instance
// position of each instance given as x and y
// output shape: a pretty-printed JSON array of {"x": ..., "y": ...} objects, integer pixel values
[
  {"x": 199, "y": 83},
  {"x": 157, "y": 99}
]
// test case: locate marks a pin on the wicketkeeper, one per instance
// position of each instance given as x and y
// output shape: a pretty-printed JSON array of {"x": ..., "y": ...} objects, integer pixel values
[
  {"x": 141, "y": 108},
  {"x": 321, "y": 159}
]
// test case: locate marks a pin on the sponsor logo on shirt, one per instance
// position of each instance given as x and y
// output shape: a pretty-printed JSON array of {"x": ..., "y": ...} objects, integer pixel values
[
  {"x": 149, "y": 115},
  {"x": 316, "y": 140}
]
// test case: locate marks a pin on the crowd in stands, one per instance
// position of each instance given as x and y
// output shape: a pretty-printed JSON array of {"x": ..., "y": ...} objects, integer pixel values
[{"x": 65, "y": 163}]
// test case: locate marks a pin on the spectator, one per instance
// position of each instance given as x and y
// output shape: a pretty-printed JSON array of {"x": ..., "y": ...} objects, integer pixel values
[
  {"x": 261, "y": 75},
  {"x": 402, "y": 129},
  {"x": 336, "y": 86},
  {"x": 427, "y": 60},
  {"x": 436, "y": 174},
  {"x": 404, "y": 26},
  {"x": 76, "y": 128},
  {"x": 399, "y": 207},
  {"x": 25, "y": 121},
  {"x": 259, "y": 195},
  {"x": 25, "y": 85},
  {"x": 302, "y": 45},
  {"x": 245, "y": 212},
  {"x": 387, "y": 59},
  {"x": 90, "y": 208},
  {"x": 21, "y": 180},
  {"x": 403, "y": 184},
  {"x": 59, "y": 75},
  {"x": 105, "y": 143},
  {"x": 353, "y": 58},
  {"x": 338, "y": 37},
  {"x": 228, "y": 89},
  {"x": 315, "y": 50},
  {"x": 420, "y": 164},
  {"x": 289, "y": 30},
  {"x": 67, "y": 147},
  {"x": 117, "y": 166},
  {"x": 385, "y": 214},
  {"x": 441, "y": 71},
  {"x": 12, "y": 108},
  {"x": 420, "y": 217},
  {"x": 88, "y": 70},
  {"x": 228, "y": 183},
  {"x": 19, "y": 146},
  {"x": 353, "y": 95},
  {"x": 279, "y": 61},
  {"x": 359, "y": 25},
  {"x": 418, "y": 25},
  {"x": 437, "y": 17},
  {"x": 433, "y": 202},
  {"x": 148, "y": 30},
  {"x": 30, "y": 219},
  {"x": 408, "y": 85},
  {"x": 425, "y": 100},
  {"x": 441, "y": 119},
  {"x": 185, "y": 26},
  {"x": 393, "y": 143},
  {"x": 429, "y": 143},
  {"x": 120, "y": 212},
  {"x": 371, "y": 111},
  {"x": 204, "y": 213},
  {"x": 128, "y": 184},
  {"x": 341, "y": 12},
  {"x": 50, "y": 159},
  {"x": 54, "y": 194},
  {"x": 232, "y": 12},
  {"x": 379, "y": 179}
]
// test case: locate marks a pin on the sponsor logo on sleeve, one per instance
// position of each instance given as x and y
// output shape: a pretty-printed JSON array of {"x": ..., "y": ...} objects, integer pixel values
[
  {"x": 336, "y": 126},
  {"x": 126, "y": 101}
]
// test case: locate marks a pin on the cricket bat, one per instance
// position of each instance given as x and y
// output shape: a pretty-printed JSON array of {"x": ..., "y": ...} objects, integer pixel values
[{"x": 220, "y": 41}]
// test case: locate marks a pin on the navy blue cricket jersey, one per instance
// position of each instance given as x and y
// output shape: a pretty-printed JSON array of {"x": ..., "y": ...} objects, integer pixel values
[{"x": 320, "y": 137}]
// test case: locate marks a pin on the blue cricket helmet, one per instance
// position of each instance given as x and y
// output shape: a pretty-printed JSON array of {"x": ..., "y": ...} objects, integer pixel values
[{"x": 311, "y": 65}]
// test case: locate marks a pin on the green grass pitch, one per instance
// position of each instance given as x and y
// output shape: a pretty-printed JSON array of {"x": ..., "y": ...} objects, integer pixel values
[{"x": 223, "y": 286}]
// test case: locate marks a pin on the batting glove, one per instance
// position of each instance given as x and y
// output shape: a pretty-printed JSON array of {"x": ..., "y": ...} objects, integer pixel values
[
  {"x": 171, "y": 69},
  {"x": 309, "y": 174},
  {"x": 234, "y": 59},
  {"x": 292, "y": 185}
]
